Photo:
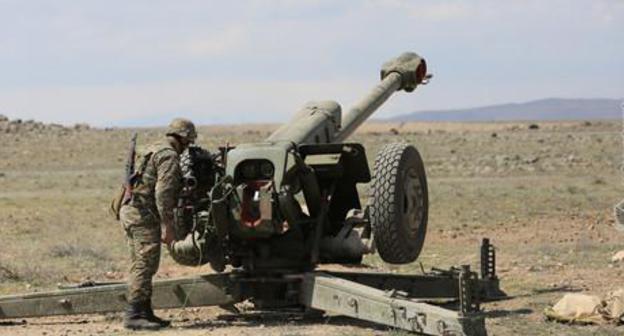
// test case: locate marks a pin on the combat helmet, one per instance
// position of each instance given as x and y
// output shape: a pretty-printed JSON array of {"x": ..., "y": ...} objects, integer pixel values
[{"x": 183, "y": 128}]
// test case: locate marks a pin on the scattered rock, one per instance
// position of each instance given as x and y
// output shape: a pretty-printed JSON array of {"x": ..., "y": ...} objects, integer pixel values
[
  {"x": 501, "y": 160},
  {"x": 31, "y": 126},
  {"x": 113, "y": 275},
  {"x": 82, "y": 127},
  {"x": 598, "y": 181},
  {"x": 7, "y": 273},
  {"x": 618, "y": 257},
  {"x": 531, "y": 159},
  {"x": 487, "y": 170}
]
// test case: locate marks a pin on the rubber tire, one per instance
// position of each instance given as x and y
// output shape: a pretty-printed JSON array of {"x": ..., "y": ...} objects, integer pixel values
[{"x": 395, "y": 241}]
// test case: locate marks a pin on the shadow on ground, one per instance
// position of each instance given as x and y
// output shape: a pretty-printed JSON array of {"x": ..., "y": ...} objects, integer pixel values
[
  {"x": 276, "y": 319},
  {"x": 498, "y": 313}
]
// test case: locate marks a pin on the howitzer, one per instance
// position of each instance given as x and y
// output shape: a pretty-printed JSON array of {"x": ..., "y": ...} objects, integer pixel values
[
  {"x": 275, "y": 210},
  {"x": 291, "y": 201}
]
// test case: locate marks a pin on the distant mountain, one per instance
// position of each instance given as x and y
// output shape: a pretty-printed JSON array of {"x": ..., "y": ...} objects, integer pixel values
[{"x": 543, "y": 109}]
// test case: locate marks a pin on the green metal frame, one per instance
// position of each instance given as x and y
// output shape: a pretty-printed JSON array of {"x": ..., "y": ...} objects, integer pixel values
[{"x": 439, "y": 303}]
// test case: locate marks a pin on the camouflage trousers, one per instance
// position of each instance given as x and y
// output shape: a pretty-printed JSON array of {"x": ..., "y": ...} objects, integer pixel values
[{"x": 143, "y": 233}]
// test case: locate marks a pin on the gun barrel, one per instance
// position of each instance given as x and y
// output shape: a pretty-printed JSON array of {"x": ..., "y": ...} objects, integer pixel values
[
  {"x": 320, "y": 121},
  {"x": 405, "y": 72},
  {"x": 368, "y": 105}
]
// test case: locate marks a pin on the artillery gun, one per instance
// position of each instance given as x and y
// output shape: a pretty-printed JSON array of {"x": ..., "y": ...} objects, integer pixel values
[{"x": 275, "y": 210}]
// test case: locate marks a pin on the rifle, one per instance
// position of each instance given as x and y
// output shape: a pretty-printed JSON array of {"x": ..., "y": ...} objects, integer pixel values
[
  {"x": 125, "y": 195},
  {"x": 130, "y": 174}
]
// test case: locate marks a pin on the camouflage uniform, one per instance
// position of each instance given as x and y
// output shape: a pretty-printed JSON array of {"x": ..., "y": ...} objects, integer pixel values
[{"x": 153, "y": 199}]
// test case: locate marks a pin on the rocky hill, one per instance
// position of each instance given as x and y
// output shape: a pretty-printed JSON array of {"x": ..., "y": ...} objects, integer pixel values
[
  {"x": 15, "y": 126},
  {"x": 543, "y": 109}
]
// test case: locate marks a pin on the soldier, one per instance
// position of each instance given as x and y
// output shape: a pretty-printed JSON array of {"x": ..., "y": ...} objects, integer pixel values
[{"x": 148, "y": 219}]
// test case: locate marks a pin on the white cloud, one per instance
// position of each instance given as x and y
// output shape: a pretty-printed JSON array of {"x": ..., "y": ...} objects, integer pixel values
[{"x": 114, "y": 62}]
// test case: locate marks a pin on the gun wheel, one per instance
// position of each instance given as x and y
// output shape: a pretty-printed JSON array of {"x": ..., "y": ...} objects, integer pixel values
[{"x": 399, "y": 203}]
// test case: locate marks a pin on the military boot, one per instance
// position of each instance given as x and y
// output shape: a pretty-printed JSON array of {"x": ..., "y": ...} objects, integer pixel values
[
  {"x": 153, "y": 318},
  {"x": 136, "y": 318}
]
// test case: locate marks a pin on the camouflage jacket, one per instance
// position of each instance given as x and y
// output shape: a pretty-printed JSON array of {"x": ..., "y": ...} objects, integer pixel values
[{"x": 159, "y": 185}]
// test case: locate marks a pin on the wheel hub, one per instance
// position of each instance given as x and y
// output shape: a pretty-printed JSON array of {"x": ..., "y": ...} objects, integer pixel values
[{"x": 412, "y": 201}]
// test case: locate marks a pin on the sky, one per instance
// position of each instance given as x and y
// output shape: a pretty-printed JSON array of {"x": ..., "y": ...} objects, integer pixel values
[{"x": 143, "y": 62}]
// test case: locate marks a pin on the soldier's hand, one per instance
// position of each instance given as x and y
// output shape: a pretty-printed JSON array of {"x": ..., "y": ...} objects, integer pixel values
[{"x": 168, "y": 235}]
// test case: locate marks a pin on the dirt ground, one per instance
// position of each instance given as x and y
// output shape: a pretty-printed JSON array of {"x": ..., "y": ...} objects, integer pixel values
[{"x": 542, "y": 193}]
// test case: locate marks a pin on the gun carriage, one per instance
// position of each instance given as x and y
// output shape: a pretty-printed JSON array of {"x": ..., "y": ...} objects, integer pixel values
[{"x": 277, "y": 209}]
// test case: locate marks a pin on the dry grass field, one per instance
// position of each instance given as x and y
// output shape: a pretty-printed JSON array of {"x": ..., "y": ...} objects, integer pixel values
[{"x": 544, "y": 196}]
